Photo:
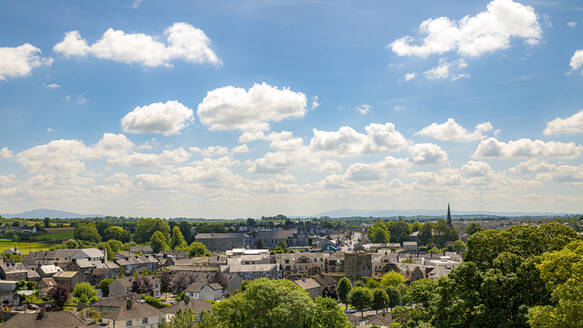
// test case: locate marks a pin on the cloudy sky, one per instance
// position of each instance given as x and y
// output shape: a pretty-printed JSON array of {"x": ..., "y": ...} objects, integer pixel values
[{"x": 259, "y": 107}]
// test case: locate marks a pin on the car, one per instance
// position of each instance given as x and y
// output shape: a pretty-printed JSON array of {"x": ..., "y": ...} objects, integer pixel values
[
  {"x": 33, "y": 307},
  {"x": 349, "y": 310}
]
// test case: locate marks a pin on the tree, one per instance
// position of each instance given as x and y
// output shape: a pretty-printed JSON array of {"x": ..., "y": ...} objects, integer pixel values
[
  {"x": 281, "y": 244},
  {"x": 147, "y": 227},
  {"x": 562, "y": 271},
  {"x": 109, "y": 252},
  {"x": 141, "y": 285},
  {"x": 343, "y": 289},
  {"x": 72, "y": 244},
  {"x": 394, "y": 296},
  {"x": 158, "y": 242},
  {"x": 85, "y": 293},
  {"x": 458, "y": 246},
  {"x": 186, "y": 229},
  {"x": 87, "y": 232},
  {"x": 265, "y": 303},
  {"x": 181, "y": 281},
  {"x": 361, "y": 298},
  {"x": 379, "y": 233},
  {"x": 104, "y": 286},
  {"x": 472, "y": 228},
  {"x": 177, "y": 241},
  {"x": 47, "y": 223},
  {"x": 117, "y": 233},
  {"x": 165, "y": 280},
  {"x": 372, "y": 283},
  {"x": 392, "y": 279},
  {"x": 421, "y": 292},
  {"x": 426, "y": 233},
  {"x": 59, "y": 295},
  {"x": 184, "y": 318},
  {"x": 197, "y": 249},
  {"x": 380, "y": 299},
  {"x": 399, "y": 230}
]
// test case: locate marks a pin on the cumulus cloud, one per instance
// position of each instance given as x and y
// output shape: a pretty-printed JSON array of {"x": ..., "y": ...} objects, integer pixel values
[
  {"x": 473, "y": 36},
  {"x": 447, "y": 70},
  {"x": 5, "y": 153},
  {"x": 494, "y": 148},
  {"x": 230, "y": 108},
  {"x": 532, "y": 166},
  {"x": 347, "y": 141},
  {"x": 19, "y": 61},
  {"x": 427, "y": 154},
  {"x": 240, "y": 149},
  {"x": 376, "y": 170},
  {"x": 165, "y": 118},
  {"x": 410, "y": 76},
  {"x": 363, "y": 109},
  {"x": 577, "y": 60},
  {"x": 328, "y": 166},
  {"x": 570, "y": 125},
  {"x": 183, "y": 42},
  {"x": 214, "y": 151},
  {"x": 453, "y": 131},
  {"x": 475, "y": 169}
]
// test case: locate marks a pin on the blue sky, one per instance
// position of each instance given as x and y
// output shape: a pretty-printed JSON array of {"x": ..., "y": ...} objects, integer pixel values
[{"x": 250, "y": 108}]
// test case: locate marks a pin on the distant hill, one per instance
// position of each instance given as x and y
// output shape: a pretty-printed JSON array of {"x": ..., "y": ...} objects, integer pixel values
[
  {"x": 343, "y": 213},
  {"x": 46, "y": 213}
]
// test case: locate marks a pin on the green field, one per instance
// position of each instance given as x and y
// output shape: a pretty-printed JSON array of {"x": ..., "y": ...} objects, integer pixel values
[
  {"x": 54, "y": 236},
  {"x": 24, "y": 247}
]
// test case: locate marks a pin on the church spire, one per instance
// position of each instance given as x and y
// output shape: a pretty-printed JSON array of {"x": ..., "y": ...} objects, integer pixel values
[{"x": 448, "y": 216}]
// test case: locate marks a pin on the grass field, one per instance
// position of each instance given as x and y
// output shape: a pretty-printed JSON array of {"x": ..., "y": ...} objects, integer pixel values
[
  {"x": 55, "y": 235},
  {"x": 24, "y": 247}
]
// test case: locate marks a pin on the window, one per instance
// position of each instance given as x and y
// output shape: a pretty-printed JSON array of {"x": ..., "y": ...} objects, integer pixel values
[
  {"x": 128, "y": 323},
  {"x": 144, "y": 321}
]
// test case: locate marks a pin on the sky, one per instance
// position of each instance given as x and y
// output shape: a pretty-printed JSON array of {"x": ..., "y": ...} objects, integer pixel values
[{"x": 224, "y": 109}]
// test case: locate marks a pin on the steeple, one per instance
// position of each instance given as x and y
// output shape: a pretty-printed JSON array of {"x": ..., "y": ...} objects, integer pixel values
[{"x": 448, "y": 216}]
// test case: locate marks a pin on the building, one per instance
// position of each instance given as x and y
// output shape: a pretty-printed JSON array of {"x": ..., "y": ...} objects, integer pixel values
[
  {"x": 256, "y": 271},
  {"x": 195, "y": 305},
  {"x": 68, "y": 278},
  {"x": 310, "y": 285},
  {"x": 223, "y": 241},
  {"x": 212, "y": 292},
  {"x": 42, "y": 319},
  {"x": 291, "y": 237},
  {"x": 123, "y": 286},
  {"x": 62, "y": 257},
  {"x": 410, "y": 245},
  {"x": 48, "y": 270},
  {"x": 132, "y": 315},
  {"x": 13, "y": 271},
  {"x": 357, "y": 265},
  {"x": 130, "y": 262}
]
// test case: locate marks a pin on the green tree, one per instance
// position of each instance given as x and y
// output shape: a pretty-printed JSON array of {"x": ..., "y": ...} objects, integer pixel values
[
  {"x": 421, "y": 292},
  {"x": 110, "y": 254},
  {"x": 281, "y": 244},
  {"x": 380, "y": 299},
  {"x": 47, "y": 223},
  {"x": 426, "y": 233},
  {"x": 361, "y": 298},
  {"x": 117, "y": 233},
  {"x": 197, "y": 249},
  {"x": 399, "y": 230},
  {"x": 147, "y": 227},
  {"x": 104, "y": 286},
  {"x": 186, "y": 229},
  {"x": 177, "y": 241},
  {"x": 329, "y": 315},
  {"x": 265, "y": 303},
  {"x": 72, "y": 244},
  {"x": 392, "y": 279},
  {"x": 372, "y": 283},
  {"x": 184, "y": 318},
  {"x": 158, "y": 242},
  {"x": 472, "y": 228},
  {"x": 85, "y": 293},
  {"x": 562, "y": 271},
  {"x": 379, "y": 233},
  {"x": 343, "y": 289},
  {"x": 87, "y": 232},
  {"x": 394, "y": 296}
]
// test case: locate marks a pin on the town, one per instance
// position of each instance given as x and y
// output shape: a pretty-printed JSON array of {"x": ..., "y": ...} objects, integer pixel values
[{"x": 117, "y": 272}]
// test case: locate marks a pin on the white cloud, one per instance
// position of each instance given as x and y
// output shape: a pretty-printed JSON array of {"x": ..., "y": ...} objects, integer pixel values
[
  {"x": 315, "y": 102},
  {"x": 328, "y": 166},
  {"x": 51, "y": 85},
  {"x": 363, "y": 109},
  {"x": 50, "y": 130},
  {"x": 137, "y": 4},
  {"x": 19, "y": 61},
  {"x": 567, "y": 174},
  {"x": 452, "y": 131},
  {"x": 475, "y": 169},
  {"x": 184, "y": 42},
  {"x": 570, "y": 125},
  {"x": 78, "y": 99},
  {"x": 230, "y": 108},
  {"x": 491, "y": 147},
  {"x": 410, "y": 76},
  {"x": 447, "y": 70},
  {"x": 375, "y": 171},
  {"x": 399, "y": 108},
  {"x": 572, "y": 24},
  {"x": 427, "y": 153},
  {"x": 485, "y": 32},
  {"x": 532, "y": 166},
  {"x": 214, "y": 151},
  {"x": 5, "y": 153},
  {"x": 347, "y": 141},
  {"x": 165, "y": 118},
  {"x": 577, "y": 60},
  {"x": 240, "y": 149}
]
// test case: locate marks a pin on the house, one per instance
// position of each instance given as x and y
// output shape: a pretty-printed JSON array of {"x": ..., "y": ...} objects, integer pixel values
[
  {"x": 7, "y": 294},
  {"x": 382, "y": 320},
  {"x": 133, "y": 315},
  {"x": 223, "y": 241},
  {"x": 13, "y": 271},
  {"x": 48, "y": 270},
  {"x": 45, "y": 284},
  {"x": 27, "y": 230},
  {"x": 410, "y": 245},
  {"x": 195, "y": 305},
  {"x": 310, "y": 285},
  {"x": 107, "y": 304},
  {"x": 256, "y": 271},
  {"x": 68, "y": 278},
  {"x": 122, "y": 286},
  {"x": 193, "y": 290},
  {"x": 62, "y": 257},
  {"x": 42, "y": 319},
  {"x": 212, "y": 292},
  {"x": 291, "y": 237},
  {"x": 335, "y": 262},
  {"x": 141, "y": 249},
  {"x": 130, "y": 262}
]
